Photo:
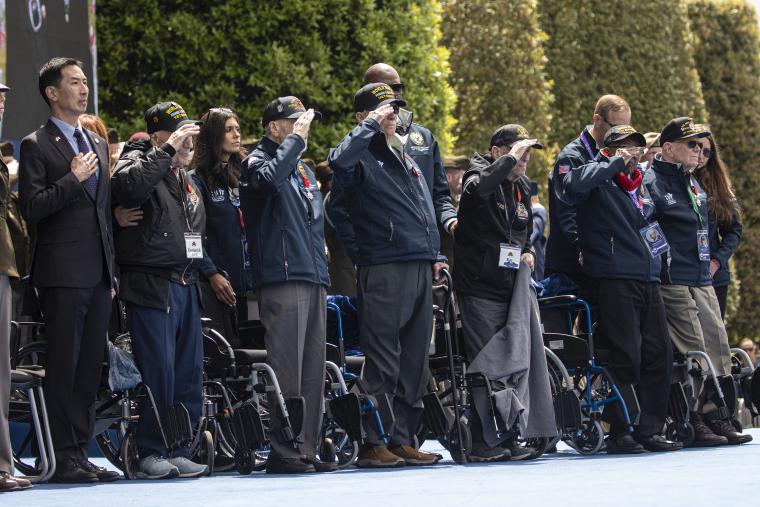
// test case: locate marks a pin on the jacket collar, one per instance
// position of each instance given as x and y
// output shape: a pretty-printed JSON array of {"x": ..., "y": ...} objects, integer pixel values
[
  {"x": 667, "y": 169},
  {"x": 268, "y": 146}
]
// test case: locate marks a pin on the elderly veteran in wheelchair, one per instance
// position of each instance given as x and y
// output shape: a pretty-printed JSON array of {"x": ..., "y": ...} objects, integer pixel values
[{"x": 499, "y": 311}]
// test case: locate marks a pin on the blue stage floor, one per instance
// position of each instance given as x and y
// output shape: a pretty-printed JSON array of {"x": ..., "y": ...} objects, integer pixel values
[{"x": 723, "y": 476}]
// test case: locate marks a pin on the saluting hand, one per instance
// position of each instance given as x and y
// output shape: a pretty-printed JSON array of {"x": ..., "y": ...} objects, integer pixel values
[
  {"x": 303, "y": 123},
  {"x": 382, "y": 113},
  {"x": 521, "y": 147},
  {"x": 177, "y": 139},
  {"x": 83, "y": 166}
]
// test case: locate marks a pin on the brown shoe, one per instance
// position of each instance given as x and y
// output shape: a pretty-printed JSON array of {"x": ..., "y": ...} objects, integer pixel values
[
  {"x": 378, "y": 456},
  {"x": 22, "y": 483},
  {"x": 7, "y": 483},
  {"x": 414, "y": 457}
]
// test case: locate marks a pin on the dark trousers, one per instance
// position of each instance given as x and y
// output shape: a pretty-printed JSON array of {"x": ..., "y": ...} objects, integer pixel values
[
  {"x": 632, "y": 326},
  {"x": 224, "y": 318},
  {"x": 722, "y": 294},
  {"x": 168, "y": 347},
  {"x": 76, "y": 324},
  {"x": 395, "y": 326},
  {"x": 294, "y": 315}
]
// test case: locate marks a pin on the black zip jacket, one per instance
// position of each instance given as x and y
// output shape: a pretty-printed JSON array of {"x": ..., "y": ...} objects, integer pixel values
[
  {"x": 153, "y": 253},
  {"x": 725, "y": 238},
  {"x": 285, "y": 228},
  {"x": 609, "y": 223},
  {"x": 562, "y": 245},
  {"x": 390, "y": 205},
  {"x": 225, "y": 236},
  {"x": 488, "y": 216},
  {"x": 668, "y": 183}
]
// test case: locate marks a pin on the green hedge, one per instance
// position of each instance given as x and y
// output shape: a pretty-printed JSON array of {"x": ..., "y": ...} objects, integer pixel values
[
  {"x": 641, "y": 51},
  {"x": 497, "y": 70},
  {"x": 242, "y": 54},
  {"x": 728, "y": 58}
]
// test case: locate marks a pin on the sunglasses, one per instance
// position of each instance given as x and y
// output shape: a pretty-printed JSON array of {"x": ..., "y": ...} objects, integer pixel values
[
  {"x": 707, "y": 152},
  {"x": 689, "y": 144},
  {"x": 398, "y": 87}
]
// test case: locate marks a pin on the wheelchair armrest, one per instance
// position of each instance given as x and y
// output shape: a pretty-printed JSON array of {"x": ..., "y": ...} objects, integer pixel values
[{"x": 564, "y": 298}]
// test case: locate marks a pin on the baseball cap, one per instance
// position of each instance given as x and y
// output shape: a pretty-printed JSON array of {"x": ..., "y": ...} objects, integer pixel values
[
  {"x": 373, "y": 95},
  {"x": 533, "y": 188},
  {"x": 285, "y": 108},
  {"x": 168, "y": 116},
  {"x": 682, "y": 128},
  {"x": 509, "y": 134},
  {"x": 4, "y": 88},
  {"x": 653, "y": 139},
  {"x": 620, "y": 133}
]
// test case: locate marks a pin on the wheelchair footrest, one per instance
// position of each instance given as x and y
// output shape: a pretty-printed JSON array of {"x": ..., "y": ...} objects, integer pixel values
[
  {"x": 177, "y": 427},
  {"x": 347, "y": 412},
  {"x": 567, "y": 411},
  {"x": 248, "y": 427},
  {"x": 436, "y": 418}
]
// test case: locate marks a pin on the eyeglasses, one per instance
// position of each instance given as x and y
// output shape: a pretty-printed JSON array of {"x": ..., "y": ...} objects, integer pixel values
[
  {"x": 398, "y": 87},
  {"x": 689, "y": 144},
  {"x": 707, "y": 152}
]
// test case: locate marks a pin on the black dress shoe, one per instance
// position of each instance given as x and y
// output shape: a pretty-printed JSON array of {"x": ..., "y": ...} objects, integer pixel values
[
  {"x": 277, "y": 464},
  {"x": 71, "y": 471},
  {"x": 704, "y": 436},
  {"x": 725, "y": 429},
  {"x": 321, "y": 466},
  {"x": 102, "y": 473},
  {"x": 658, "y": 443},
  {"x": 623, "y": 444}
]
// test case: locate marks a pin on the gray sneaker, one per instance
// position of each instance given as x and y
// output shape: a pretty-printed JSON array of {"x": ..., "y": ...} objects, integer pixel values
[
  {"x": 157, "y": 467},
  {"x": 188, "y": 469}
]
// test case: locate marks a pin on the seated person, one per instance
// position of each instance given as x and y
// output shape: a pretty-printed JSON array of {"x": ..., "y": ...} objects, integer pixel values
[
  {"x": 494, "y": 260},
  {"x": 621, "y": 246}
]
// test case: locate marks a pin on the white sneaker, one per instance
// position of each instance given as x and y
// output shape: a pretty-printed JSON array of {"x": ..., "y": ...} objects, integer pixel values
[
  {"x": 157, "y": 467},
  {"x": 188, "y": 469}
]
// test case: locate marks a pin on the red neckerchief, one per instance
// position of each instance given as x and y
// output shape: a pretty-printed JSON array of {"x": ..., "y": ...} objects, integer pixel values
[
  {"x": 304, "y": 176},
  {"x": 628, "y": 183}
]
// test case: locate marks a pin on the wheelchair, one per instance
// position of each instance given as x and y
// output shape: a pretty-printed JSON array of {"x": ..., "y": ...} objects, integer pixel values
[
  {"x": 746, "y": 382},
  {"x": 581, "y": 385},
  {"x": 448, "y": 406}
]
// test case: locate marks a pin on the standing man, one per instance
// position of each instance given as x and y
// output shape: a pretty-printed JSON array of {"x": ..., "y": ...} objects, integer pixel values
[
  {"x": 7, "y": 271},
  {"x": 538, "y": 234},
  {"x": 65, "y": 198},
  {"x": 622, "y": 248},
  {"x": 417, "y": 142},
  {"x": 397, "y": 241},
  {"x": 284, "y": 219},
  {"x": 692, "y": 309},
  {"x": 160, "y": 259},
  {"x": 562, "y": 250}
]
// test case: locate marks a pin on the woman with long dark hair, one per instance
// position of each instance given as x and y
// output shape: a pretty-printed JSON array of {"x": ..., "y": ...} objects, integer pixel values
[
  {"x": 725, "y": 226},
  {"x": 216, "y": 171}
]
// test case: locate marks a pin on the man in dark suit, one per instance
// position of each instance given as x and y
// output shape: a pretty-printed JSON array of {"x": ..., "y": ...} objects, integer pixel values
[{"x": 66, "y": 200}]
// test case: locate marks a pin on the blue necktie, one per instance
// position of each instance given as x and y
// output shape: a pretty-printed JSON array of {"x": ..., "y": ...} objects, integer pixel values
[{"x": 91, "y": 183}]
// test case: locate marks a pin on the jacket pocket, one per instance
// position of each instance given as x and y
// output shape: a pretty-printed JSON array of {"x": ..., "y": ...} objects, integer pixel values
[{"x": 391, "y": 230}]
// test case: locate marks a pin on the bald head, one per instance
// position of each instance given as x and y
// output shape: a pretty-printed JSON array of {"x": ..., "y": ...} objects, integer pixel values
[{"x": 381, "y": 73}]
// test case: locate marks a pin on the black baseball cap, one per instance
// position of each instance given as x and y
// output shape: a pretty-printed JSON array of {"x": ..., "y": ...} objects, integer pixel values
[
  {"x": 620, "y": 133},
  {"x": 682, "y": 128},
  {"x": 3, "y": 88},
  {"x": 168, "y": 116},
  {"x": 283, "y": 108},
  {"x": 507, "y": 135},
  {"x": 373, "y": 95},
  {"x": 533, "y": 188}
]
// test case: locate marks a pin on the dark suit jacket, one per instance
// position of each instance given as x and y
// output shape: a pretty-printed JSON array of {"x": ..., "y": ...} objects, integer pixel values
[{"x": 72, "y": 241}]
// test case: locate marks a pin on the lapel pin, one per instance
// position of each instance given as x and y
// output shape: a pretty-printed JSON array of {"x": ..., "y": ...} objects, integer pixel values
[
  {"x": 96, "y": 141},
  {"x": 57, "y": 139}
]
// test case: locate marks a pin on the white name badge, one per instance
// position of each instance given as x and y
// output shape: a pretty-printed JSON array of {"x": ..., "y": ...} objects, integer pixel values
[
  {"x": 509, "y": 256},
  {"x": 193, "y": 246}
]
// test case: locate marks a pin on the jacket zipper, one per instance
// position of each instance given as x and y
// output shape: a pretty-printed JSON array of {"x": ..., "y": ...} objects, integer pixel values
[
  {"x": 612, "y": 244},
  {"x": 284, "y": 256},
  {"x": 390, "y": 221}
]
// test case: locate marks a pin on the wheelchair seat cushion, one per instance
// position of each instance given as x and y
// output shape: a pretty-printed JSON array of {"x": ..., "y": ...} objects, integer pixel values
[{"x": 250, "y": 356}]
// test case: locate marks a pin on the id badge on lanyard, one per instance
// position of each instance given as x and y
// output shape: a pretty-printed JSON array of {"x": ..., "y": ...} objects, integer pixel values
[
  {"x": 193, "y": 246},
  {"x": 509, "y": 256},
  {"x": 654, "y": 239},
  {"x": 703, "y": 245}
]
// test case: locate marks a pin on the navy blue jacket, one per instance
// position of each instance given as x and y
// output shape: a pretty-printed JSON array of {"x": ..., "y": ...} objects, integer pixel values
[
  {"x": 225, "y": 236},
  {"x": 609, "y": 223},
  {"x": 422, "y": 146},
  {"x": 562, "y": 247},
  {"x": 285, "y": 228},
  {"x": 668, "y": 184},
  {"x": 389, "y": 203},
  {"x": 725, "y": 238},
  {"x": 538, "y": 240}
]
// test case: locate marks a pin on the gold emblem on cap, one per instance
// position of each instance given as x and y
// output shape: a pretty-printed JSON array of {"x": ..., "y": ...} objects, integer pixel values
[
  {"x": 627, "y": 130},
  {"x": 522, "y": 132},
  {"x": 297, "y": 105}
]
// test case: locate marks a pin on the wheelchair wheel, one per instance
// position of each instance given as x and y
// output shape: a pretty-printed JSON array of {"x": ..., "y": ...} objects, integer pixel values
[
  {"x": 327, "y": 451},
  {"x": 206, "y": 451},
  {"x": 344, "y": 449},
  {"x": 538, "y": 444},
  {"x": 451, "y": 442},
  {"x": 589, "y": 438},
  {"x": 110, "y": 448},
  {"x": 244, "y": 462},
  {"x": 129, "y": 456},
  {"x": 680, "y": 432}
]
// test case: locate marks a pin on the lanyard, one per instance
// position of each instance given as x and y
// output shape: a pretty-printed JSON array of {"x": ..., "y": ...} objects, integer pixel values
[
  {"x": 691, "y": 190},
  {"x": 587, "y": 146},
  {"x": 510, "y": 221}
]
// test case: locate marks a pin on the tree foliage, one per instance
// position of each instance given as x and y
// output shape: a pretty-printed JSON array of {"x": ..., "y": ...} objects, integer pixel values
[
  {"x": 641, "y": 51},
  {"x": 242, "y": 54},
  {"x": 728, "y": 59}
]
